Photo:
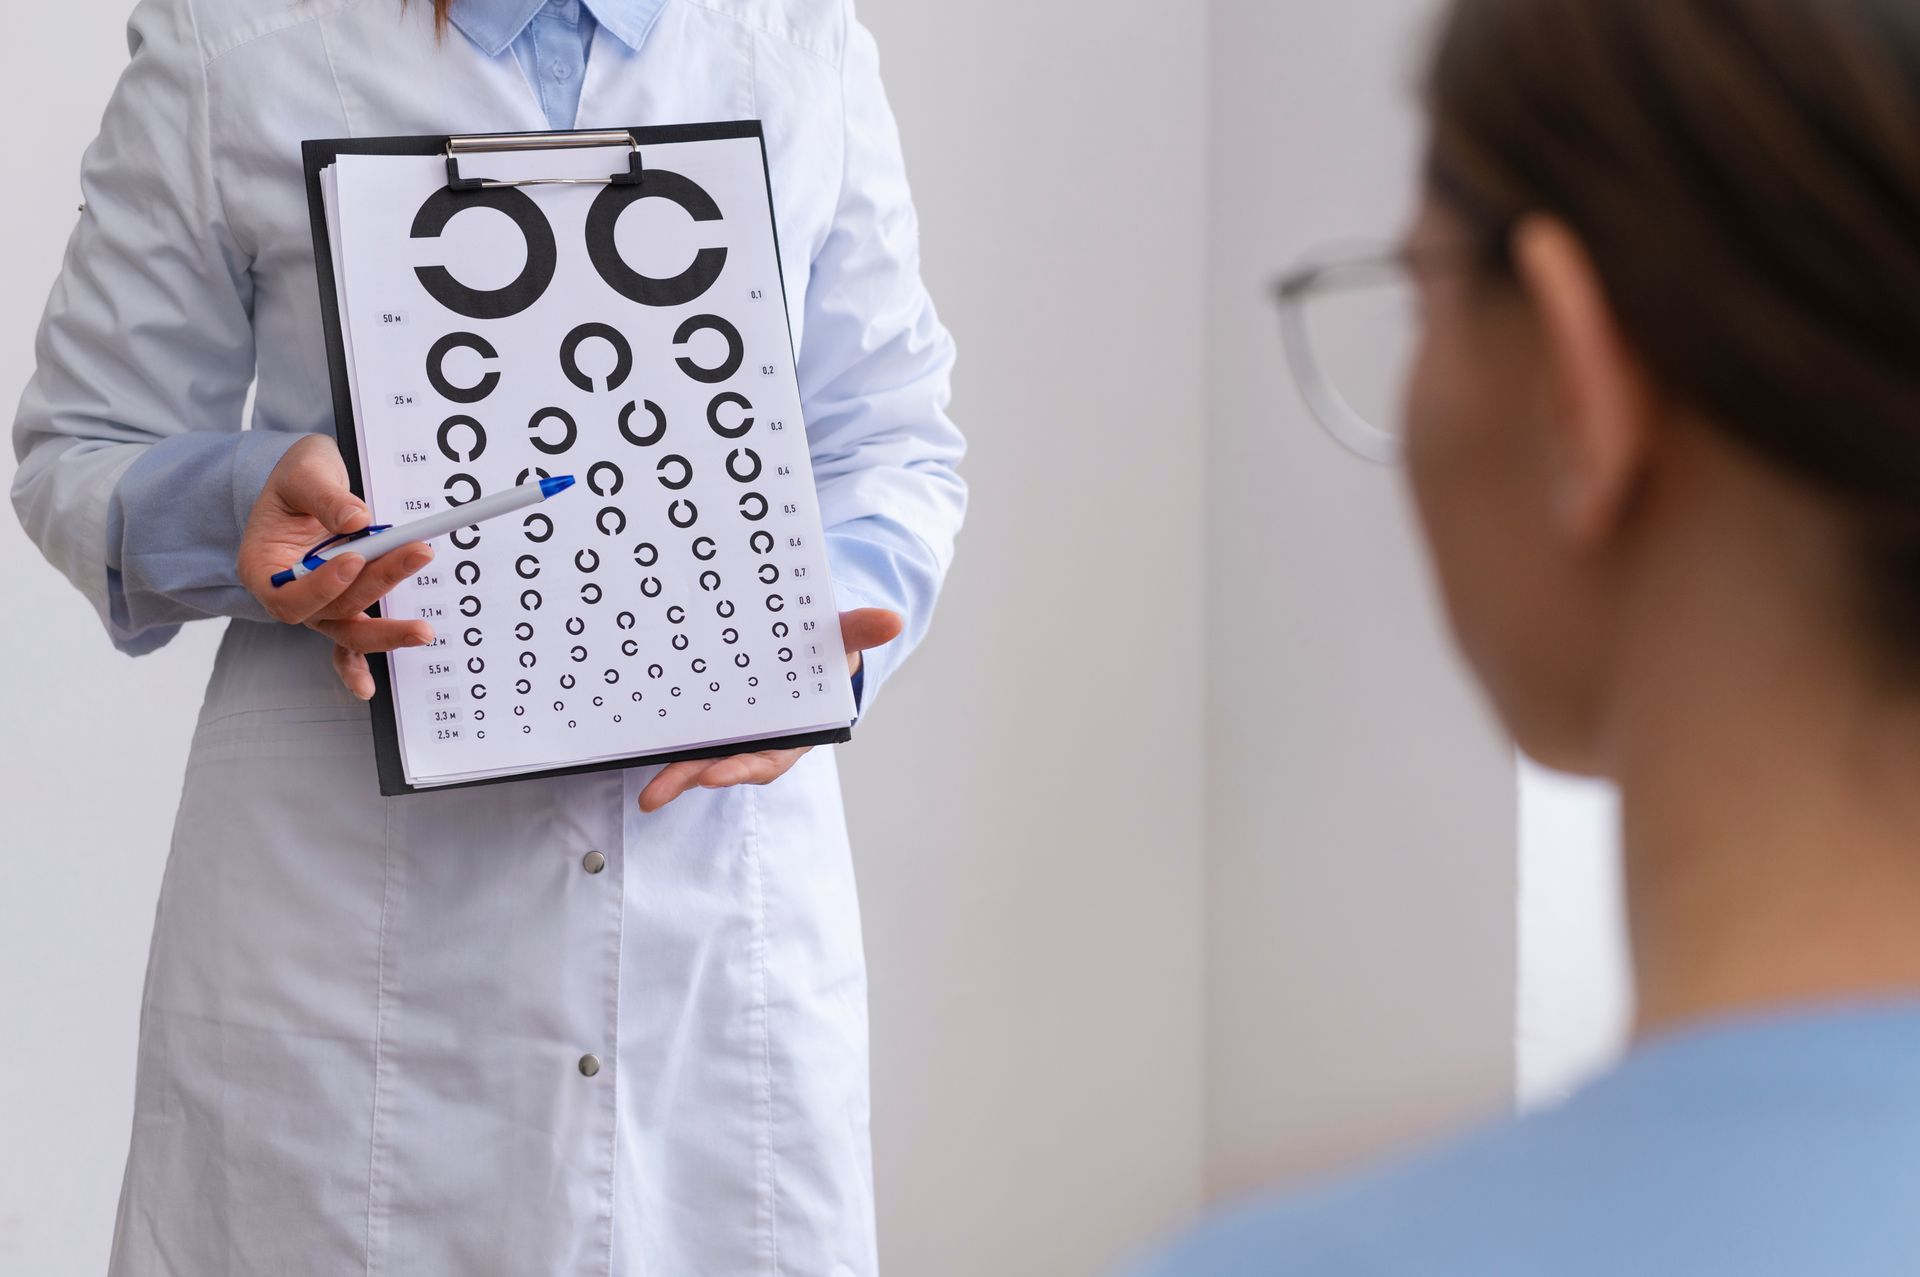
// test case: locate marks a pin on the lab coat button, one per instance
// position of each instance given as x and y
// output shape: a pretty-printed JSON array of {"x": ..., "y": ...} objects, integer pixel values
[
  {"x": 594, "y": 862},
  {"x": 589, "y": 1065}
]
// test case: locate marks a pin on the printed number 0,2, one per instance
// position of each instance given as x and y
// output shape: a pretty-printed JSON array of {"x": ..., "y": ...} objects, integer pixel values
[{"x": 766, "y": 370}]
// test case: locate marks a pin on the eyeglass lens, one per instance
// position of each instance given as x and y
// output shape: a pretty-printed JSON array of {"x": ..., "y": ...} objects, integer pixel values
[{"x": 1364, "y": 340}]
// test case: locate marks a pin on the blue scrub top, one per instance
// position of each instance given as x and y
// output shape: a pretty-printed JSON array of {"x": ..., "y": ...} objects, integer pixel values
[{"x": 1785, "y": 1144}]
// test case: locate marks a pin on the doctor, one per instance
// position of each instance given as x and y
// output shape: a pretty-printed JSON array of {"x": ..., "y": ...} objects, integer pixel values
[{"x": 608, "y": 1024}]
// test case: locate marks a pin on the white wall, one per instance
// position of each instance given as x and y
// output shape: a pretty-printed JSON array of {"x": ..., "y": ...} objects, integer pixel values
[
  {"x": 1361, "y": 955},
  {"x": 1025, "y": 805},
  {"x": 1576, "y": 980},
  {"x": 91, "y": 744},
  {"x": 1026, "y": 808}
]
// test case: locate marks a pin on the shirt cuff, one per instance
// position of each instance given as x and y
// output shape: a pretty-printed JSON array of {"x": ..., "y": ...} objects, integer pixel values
[
  {"x": 173, "y": 532},
  {"x": 255, "y": 457}
]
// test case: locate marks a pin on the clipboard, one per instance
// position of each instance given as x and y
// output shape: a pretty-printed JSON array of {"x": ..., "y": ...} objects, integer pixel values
[{"x": 317, "y": 155}]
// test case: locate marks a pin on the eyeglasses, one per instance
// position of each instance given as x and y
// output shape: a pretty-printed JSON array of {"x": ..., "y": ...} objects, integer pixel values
[{"x": 1351, "y": 326}]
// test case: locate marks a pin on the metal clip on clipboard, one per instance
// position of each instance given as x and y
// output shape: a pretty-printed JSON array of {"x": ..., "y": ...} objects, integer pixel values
[{"x": 475, "y": 143}]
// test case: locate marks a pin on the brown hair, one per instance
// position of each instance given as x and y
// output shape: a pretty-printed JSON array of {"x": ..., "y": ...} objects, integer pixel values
[
  {"x": 1746, "y": 177},
  {"x": 442, "y": 10}
]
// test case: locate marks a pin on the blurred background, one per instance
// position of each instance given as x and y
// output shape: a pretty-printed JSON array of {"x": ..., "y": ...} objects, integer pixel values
[{"x": 1190, "y": 861}]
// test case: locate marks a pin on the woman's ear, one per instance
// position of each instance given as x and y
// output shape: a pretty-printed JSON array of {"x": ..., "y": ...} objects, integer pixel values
[{"x": 1600, "y": 399}]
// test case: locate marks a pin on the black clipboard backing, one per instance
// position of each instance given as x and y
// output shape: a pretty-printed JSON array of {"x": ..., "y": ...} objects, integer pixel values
[{"x": 317, "y": 154}]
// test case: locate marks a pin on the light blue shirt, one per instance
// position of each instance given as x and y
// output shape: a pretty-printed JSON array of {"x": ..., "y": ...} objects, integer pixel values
[
  {"x": 172, "y": 519},
  {"x": 1777, "y": 1145},
  {"x": 549, "y": 38}
]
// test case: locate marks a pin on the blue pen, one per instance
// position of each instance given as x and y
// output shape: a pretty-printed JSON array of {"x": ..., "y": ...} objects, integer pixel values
[{"x": 385, "y": 538}]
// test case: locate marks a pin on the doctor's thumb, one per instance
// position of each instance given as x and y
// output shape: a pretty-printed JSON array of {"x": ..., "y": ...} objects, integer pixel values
[
  {"x": 312, "y": 480},
  {"x": 867, "y": 627},
  {"x": 349, "y": 514}
]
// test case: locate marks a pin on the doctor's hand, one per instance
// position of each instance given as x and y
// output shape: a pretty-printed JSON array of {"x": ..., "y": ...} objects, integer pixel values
[
  {"x": 862, "y": 628},
  {"x": 306, "y": 500}
]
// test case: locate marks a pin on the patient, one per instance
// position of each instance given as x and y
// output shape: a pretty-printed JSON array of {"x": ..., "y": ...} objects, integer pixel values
[{"x": 1664, "y": 435}]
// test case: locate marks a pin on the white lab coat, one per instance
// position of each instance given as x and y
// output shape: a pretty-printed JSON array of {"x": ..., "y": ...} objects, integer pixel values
[{"x": 365, "y": 1021}]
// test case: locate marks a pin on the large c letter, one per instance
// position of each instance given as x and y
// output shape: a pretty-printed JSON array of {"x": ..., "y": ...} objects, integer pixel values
[
  {"x": 728, "y": 333},
  {"x": 488, "y": 303},
  {"x": 437, "y": 377},
  {"x": 569, "y": 432},
  {"x": 570, "y": 355},
  {"x": 623, "y": 279}
]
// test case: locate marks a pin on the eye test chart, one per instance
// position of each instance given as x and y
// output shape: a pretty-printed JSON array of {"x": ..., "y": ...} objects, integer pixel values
[{"x": 606, "y": 305}]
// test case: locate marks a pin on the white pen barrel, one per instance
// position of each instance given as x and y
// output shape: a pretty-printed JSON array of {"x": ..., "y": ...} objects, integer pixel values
[{"x": 437, "y": 525}]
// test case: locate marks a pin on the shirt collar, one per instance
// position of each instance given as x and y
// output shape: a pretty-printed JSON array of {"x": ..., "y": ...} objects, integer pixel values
[{"x": 495, "y": 24}]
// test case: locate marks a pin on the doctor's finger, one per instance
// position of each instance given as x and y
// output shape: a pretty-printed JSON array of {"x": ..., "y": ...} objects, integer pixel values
[
  {"x": 673, "y": 780},
  {"x": 381, "y": 576},
  {"x": 676, "y": 779},
  {"x": 762, "y": 768},
  {"x": 374, "y": 634},
  {"x": 352, "y": 668},
  {"x": 298, "y": 601}
]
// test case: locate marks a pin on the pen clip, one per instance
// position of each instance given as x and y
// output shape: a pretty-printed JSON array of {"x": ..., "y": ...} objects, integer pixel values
[{"x": 313, "y": 564}]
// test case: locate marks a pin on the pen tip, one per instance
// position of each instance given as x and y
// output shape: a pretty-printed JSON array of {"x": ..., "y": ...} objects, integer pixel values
[{"x": 559, "y": 483}]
